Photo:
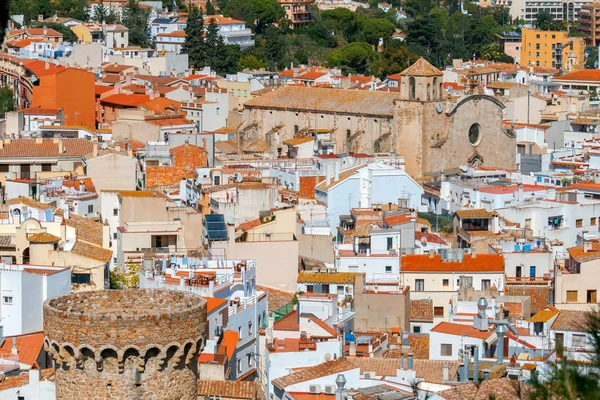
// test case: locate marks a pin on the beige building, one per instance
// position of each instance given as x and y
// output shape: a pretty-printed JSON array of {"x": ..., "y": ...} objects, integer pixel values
[
  {"x": 431, "y": 132},
  {"x": 578, "y": 283},
  {"x": 36, "y": 233},
  {"x": 113, "y": 169}
]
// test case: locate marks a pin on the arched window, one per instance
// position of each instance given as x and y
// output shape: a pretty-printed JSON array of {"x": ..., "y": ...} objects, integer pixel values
[
  {"x": 428, "y": 91},
  {"x": 435, "y": 88},
  {"x": 441, "y": 91},
  {"x": 411, "y": 89}
]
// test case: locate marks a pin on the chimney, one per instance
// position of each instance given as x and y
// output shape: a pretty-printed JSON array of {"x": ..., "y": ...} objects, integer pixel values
[
  {"x": 486, "y": 374},
  {"x": 81, "y": 186},
  {"x": 520, "y": 192},
  {"x": 327, "y": 177},
  {"x": 34, "y": 376},
  {"x": 352, "y": 352},
  {"x": 45, "y": 30},
  {"x": 446, "y": 373},
  {"x": 336, "y": 171},
  {"x": 476, "y": 365},
  {"x": 61, "y": 148},
  {"x": 47, "y": 65},
  {"x": 14, "y": 349}
]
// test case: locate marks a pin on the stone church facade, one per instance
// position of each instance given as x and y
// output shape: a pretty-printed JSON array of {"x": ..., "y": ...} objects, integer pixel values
[{"x": 419, "y": 123}]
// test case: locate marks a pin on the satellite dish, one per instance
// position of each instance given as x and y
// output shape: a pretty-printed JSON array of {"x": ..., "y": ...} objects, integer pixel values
[
  {"x": 439, "y": 107},
  {"x": 238, "y": 177},
  {"x": 276, "y": 204},
  {"x": 9, "y": 175}
]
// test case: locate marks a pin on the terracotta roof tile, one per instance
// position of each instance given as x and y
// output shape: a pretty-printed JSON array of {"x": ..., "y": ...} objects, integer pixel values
[
  {"x": 299, "y": 140},
  {"x": 244, "y": 390},
  {"x": 229, "y": 341},
  {"x": 86, "y": 229},
  {"x": 47, "y": 148},
  {"x": 343, "y": 176},
  {"x": 29, "y": 203},
  {"x": 90, "y": 251},
  {"x": 590, "y": 75},
  {"x": 579, "y": 254},
  {"x": 421, "y": 67},
  {"x": 430, "y": 238},
  {"x": 6, "y": 241},
  {"x": 126, "y": 100},
  {"x": 115, "y": 68},
  {"x": 503, "y": 389},
  {"x": 277, "y": 298},
  {"x": 11, "y": 382},
  {"x": 570, "y": 320},
  {"x": 328, "y": 368},
  {"x": 426, "y": 263},
  {"x": 421, "y": 310},
  {"x": 213, "y": 303},
  {"x": 450, "y": 328},
  {"x": 40, "y": 111},
  {"x": 43, "y": 237},
  {"x": 360, "y": 102},
  {"x": 288, "y": 323},
  {"x": 29, "y": 347},
  {"x": 544, "y": 315},
  {"x": 159, "y": 104},
  {"x": 170, "y": 121},
  {"x": 474, "y": 213}
]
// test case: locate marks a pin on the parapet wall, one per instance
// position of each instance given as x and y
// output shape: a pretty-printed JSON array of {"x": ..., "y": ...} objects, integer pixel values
[{"x": 130, "y": 343}]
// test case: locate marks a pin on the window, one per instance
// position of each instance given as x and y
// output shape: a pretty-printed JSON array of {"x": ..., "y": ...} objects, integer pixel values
[
  {"x": 388, "y": 268},
  {"x": 438, "y": 311},
  {"x": 579, "y": 341},
  {"x": 578, "y": 223},
  {"x": 518, "y": 272},
  {"x": 390, "y": 243},
  {"x": 245, "y": 93},
  {"x": 416, "y": 329},
  {"x": 528, "y": 223},
  {"x": 81, "y": 278},
  {"x": 532, "y": 271},
  {"x": 445, "y": 282},
  {"x": 591, "y": 296},
  {"x": 537, "y": 54},
  {"x": 115, "y": 211},
  {"x": 115, "y": 236},
  {"x": 474, "y": 135},
  {"x": 412, "y": 89},
  {"x": 445, "y": 349},
  {"x": 240, "y": 332},
  {"x": 239, "y": 92},
  {"x": 7, "y": 296},
  {"x": 593, "y": 221},
  {"x": 239, "y": 366},
  {"x": 46, "y": 167},
  {"x": 571, "y": 296},
  {"x": 537, "y": 46},
  {"x": 218, "y": 111},
  {"x": 485, "y": 283},
  {"x": 419, "y": 285},
  {"x": 249, "y": 360},
  {"x": 250, "y": 328},
  {"x": 559, "y": 339},
  {"x": 309, "y": 288},
  {"x": 91, "y": 209}
]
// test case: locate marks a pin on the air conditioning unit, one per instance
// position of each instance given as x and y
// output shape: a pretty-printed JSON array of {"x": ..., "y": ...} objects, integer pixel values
[
  {"x": 370, "y": 375},
  {"x": 330, "y": 389},
  {"x": 314, "y": 389}
]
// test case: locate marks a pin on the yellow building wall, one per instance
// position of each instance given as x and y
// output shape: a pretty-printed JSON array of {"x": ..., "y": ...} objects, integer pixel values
[
  {"x": 537, "y": 50},
  {"x": 83, "y": 34}
]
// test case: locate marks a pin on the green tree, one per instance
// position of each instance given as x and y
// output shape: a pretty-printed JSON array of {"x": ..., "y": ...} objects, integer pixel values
[
  {"x": 566, "y": 379},
  {"x": 68, "y": 34},
  {"x": 492, "y": 52},
  {"x": 394, "y": 58},
  {"x": 250, "y": 62},
  {"x": 135, "y": 18},
  {"x": 194, "y": 45},
  {"x": 103, "y": 14},
  {"x": 373, "y": 29},
  {"x": 73, "y": 9},
  {"x": 257, "y": 14},
  {"x": 210, "y": 9},
  {"x": 7, "y": 100},
  {"x": 544, "y": 20},
  {"x": 357, "y": 57},
  {"x": 591, "y": 57},
  {"x": 30, "y": 9},
  {"x": 275, "y": 48},
  {"x": 127, "y": 279},
  {"x": 416, "y": 8}
]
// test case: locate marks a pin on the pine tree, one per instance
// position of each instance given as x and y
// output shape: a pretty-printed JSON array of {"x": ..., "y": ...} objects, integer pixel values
[
  {"x": 210, "y": 9},
  {"x": 103, "y": 14},
  {"x": 212, "y": 45},
  {"x": 195, "y": 45},
  {"x": 135, "y": 18}
]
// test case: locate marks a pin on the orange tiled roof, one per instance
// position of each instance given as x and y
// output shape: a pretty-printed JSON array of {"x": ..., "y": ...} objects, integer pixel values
[
  {"x": 474, "y": 213},
  {"x": 589, "y": 75},
  {"x": 450, "y": 328},
  {"x": 299, "y": 140},
  {"x": 430, "y": 238},
  {"x": 221, "y": 20},
  {"x": 184, "y": 146},
  {"x": 90, "y": 251},
  {"x": 44, "y": 271},
  {"x": 426, "y": 263},
  {"x": 288, "y": 323},
  {"x": 571, "y": 320},
  {"x": 328, "y": 277},
  {"x": 212, "y": 303},
  {"x": 111, "y": 68},
  {"x": 40, "y": 32},
  {"x": 126, "y": 100},
  {"x": 42, "y": 68},
  {"x": 29, "y": 203},
  {"x": 16, "y": 381},
  {"x": 580, "y": 255},
  {"x": 86, "y": 229},
  {"x": 43, "y": 237},
  {"x": 277, "y": 298},
  {"x": 170, "y": 121},
  {"x": 47, "y": 148},
  {"x": 242, "y": 390},
  {"x": 40, "y": 111},
  {"x": 544, "y": 315},
  {"x": 159, "y": 104},
  {"x": 230, "y": 340},
  {"x": 421, "y": 67},
  {"x": 29, "y": 347},
  {"x": 173, "y": 34}
]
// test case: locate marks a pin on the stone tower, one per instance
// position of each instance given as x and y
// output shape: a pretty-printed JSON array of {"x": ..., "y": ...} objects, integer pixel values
[
  {"x": 421, "y": 82},
  {"x": 125, "y": 344}
]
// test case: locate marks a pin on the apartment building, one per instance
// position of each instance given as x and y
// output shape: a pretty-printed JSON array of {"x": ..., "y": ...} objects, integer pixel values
[
  {"x": 298, "y": 12},
  {"x": 589, "y": 22},
  {"x": 561, "y": 10},
  {"x": 552, "y": 49}
]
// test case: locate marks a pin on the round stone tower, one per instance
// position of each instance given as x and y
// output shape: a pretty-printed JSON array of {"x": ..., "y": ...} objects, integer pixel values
[{"x": 125, "y": 344}]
